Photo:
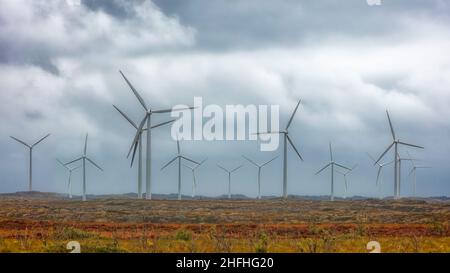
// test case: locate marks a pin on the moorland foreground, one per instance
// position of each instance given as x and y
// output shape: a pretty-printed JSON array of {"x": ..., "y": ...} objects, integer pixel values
[{"x": 38, "y": 224}]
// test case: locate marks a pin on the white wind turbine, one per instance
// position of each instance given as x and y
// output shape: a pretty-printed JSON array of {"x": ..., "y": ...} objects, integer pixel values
[
  {"x": 379, "y": 173},
  {"x": 148, "y": 118},
  {"x": 83, "y": 159},
  {"x": 30, "y": 147},
  {"x": 69, "y": 182},
  {"x": 259, "y": 166},
  {"x": 179, "y": 157},
  {"x": 194, "y": 180},
  {"x": 286, "y": 139},
  {"x": 139, "y": 147},
  {"x": 229, "y": 172},
  {"x": 400, "y": 160},
  {"x": 395, "y": 144},
  {"x": 332, "y": 164},
  {"x": 413, "y": 173},
  {"x": 344, "y": 174}
]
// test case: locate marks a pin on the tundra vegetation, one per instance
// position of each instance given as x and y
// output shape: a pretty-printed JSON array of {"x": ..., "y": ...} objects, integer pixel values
[{"x": 39, "y": 224}]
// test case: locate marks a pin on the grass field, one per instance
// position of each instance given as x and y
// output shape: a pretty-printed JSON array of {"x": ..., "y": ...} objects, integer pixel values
[{"x": 126, "y": 225}]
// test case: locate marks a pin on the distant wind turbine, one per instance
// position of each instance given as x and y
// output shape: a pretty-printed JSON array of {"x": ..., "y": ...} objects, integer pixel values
[
  {"x": 229, "y": 172},
  {"x": 379, "y": 174},
  {"x": 259, "y": 166},
  {"x": 413, "y": 173},
  {"x": 179, "y": 157},
  {"x": 83, "y": 159},
  {"x": 332, "y": 164},
  {"x": 30, "y": 147},
  {"x": 139, "y": 146},
  {"x": 400, "y": 160},
  {"x": 344, "y": 174},
  {"x": 286, "y": 139},
  {"x": 194, "y": 180},
  {"x": 69, "y": 182},
  {"x": 147, "y": 118},
  {"x": 395, "y": 144}
]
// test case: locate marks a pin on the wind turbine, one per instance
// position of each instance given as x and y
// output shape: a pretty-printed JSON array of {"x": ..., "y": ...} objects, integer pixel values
[
  {"x": 70, "y": 170},
  {"x": 139, "y": 146},
  {"x": 83, "y": 159},
  {"x": 194, "y": 181},
  {"x": 395, "y": 144},
  {"x": 379, "y": 174},
  {"x": 400, "y": 160},
  {"x": 332, "y": 164},
  {"x": 30, "y": 147},
  {"x": 148, "y": 118},
  {"x": 413, "y": 173},
  {"x": 286, "y": 138},
  {"x": 179, "y": 157},
  {"x": 259, "y": 166},
  {"x": 229, "y": 172},
  {"x": 344, "y": 174}
]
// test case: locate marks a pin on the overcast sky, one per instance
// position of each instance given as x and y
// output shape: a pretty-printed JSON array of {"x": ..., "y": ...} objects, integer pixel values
[{"x": 348, "y": 61}]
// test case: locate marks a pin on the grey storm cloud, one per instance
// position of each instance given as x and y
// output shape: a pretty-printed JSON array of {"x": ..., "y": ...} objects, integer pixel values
[{"x": 348, "y": 61}]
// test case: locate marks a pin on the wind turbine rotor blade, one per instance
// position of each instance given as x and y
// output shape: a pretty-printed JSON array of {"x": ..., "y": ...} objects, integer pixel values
[
  {"x": 20, "y": 141},
  {"x": 331, "y": 153},
  {"x": 126, "y": 117},
  {"x": 201, "y": 163},
  {"x": 185, "y": 158},
  {"x": 62, "y": 164},
  {"x": 85, "y": 144},
  {"x": 371, "y": 157},
  {"x": 293, "y": 114},
  {"x": 251, "y": 161},
  {"x": 172, "y": 110},
  {"x": 135, "y": 92},
  {"x": 73, "y": 161},
  {"x": 412, "y": 170},
  {"x": 93, "y": 163},
  {"x": 267, "y": 133},
  {"x": 178, "y": 146},
  {"x": 411, "y": 145},
  {"x": 40, "y": 140},
  {"x": 390, "y": 125},
  {"x": 385, "y": 152},
  {"x": 321, "y": 170},
  {"x": 134, "y": 153},
  {"x": 268, "y": 162},
  {"x": 343, "y": 167},
  {"x": 223, "y": 168},
  {"x": 235, "y": 169},
  {"x": 293, "y": 146},
  {"x": 187, "y": 166},
  {"x": 76, "y": 168},
  {"x": 164, "y": 123},
  {"x": 378, "y": 175},
  {"x": 138, "y": 133},
  {"x": 170, "y": 162},
  {"x": 354, "y": 167}
]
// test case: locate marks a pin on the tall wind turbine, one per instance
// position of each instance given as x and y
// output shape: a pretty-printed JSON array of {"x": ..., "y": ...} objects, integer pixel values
[
  {"x": 30, "y": 147},
  {"x": 379, "y": 174},
  {"x": 148, "y": 118},
  {"x": 400, "y": 160},
  {"x": 83, "y": 159},
  {"x": 395, "y": 144},
  {"x": 259, "y": 166},
  {"x": 413, "y": 173},
  {"x": 194, "y": 180},
  {"x": 229, "y": 172},
  {"x": 344, "y": 174},
  {"x": 179, "y": 157},
  {"x": 332, "y": 164},
  {"x": 286, "y": 139},
  {"x": 69, "y": 182},
  {"x": 139, "y": 146}
]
